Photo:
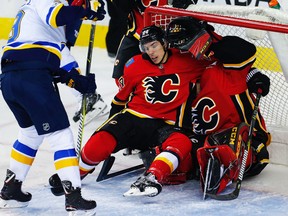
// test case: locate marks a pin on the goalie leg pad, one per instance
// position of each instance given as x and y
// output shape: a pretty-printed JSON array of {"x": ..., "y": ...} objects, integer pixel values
[
  {"x": 218, "y": 167},
  {"x": 227, "y": 147}
]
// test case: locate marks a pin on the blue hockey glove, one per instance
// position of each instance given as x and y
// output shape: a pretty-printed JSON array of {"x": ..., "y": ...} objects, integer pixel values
[
  {"x": 92, "y": 15},
  {"x": 83, "y": 84},
  {"x": 95, "y": 10},
  {"x": 257, "y": 80}
]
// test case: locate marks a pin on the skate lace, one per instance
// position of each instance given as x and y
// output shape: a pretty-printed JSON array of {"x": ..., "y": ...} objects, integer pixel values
[{"x": 145, "y": 181}]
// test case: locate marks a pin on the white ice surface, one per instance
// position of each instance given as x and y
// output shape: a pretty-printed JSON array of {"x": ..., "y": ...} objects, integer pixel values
[{"x": 266, "y": 194}]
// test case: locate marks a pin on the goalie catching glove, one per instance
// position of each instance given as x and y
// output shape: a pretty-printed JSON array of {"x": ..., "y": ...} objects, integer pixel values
[
  {"x": 257, "y": 80},
  {"x": 189, "y": 34},
  {"x": 83, "y": 84}
]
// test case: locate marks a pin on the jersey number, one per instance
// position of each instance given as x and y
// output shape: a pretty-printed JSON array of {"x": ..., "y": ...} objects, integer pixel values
[{"x": 16, "y": 27}]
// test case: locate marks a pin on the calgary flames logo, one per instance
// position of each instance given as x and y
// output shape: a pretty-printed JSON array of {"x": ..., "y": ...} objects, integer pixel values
[
  {"x": 205, "y": 116},
  {"x": 161, "y": 89}
]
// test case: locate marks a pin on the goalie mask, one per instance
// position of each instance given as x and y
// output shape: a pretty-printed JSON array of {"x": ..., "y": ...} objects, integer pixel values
[
  {"x": 151, "y": 33},
  {"x": 189, "y": 34}
]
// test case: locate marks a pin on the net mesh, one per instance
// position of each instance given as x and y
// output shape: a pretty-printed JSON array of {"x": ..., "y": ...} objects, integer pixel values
[{"x": 274, "y": 106}]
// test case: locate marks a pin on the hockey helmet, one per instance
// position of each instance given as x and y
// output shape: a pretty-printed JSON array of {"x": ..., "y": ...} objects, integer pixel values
[
  {"x": 151, "y": 33},
  {"x": 189, "y": 34}
]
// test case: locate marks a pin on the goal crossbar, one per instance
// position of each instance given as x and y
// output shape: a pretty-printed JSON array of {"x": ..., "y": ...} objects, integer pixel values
[{"x": 216, "y": 18}]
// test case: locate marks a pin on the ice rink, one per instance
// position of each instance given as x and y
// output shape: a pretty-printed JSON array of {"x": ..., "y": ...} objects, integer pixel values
[{"x": 266, "y": 194}]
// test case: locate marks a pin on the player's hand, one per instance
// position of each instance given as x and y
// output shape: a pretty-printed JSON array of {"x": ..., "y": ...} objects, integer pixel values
[
  {"x": 257, "y": 80},
  {"x": 83, "y": 84},
  {"x": 97, "y": 5},
  {"x": 95, "y": 11}
]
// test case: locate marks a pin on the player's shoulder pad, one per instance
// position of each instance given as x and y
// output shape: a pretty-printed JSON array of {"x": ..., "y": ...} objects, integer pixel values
[{"x": 233, "y": 50}]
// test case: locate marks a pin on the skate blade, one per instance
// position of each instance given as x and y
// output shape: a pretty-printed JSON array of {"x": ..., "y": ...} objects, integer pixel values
[
  {"x": 149, "y": 191},
  {"x": 91, "y": 212},
  {"x": 12, "y": 204},
  {"x": 95, "y": 113}
]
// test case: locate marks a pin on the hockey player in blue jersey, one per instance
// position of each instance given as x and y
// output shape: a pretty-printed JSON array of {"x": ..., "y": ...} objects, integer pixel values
[{"x": 30, "y": 59}]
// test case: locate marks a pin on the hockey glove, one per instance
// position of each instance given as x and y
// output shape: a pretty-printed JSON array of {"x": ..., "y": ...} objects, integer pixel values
[
  {"x": 83, "y": 84},
  {"x": 261, "y": 158},
  {"x": 257, "y": 80},
  {"x": 183, "y": 3},
  {"x": 94, "y": 11}
]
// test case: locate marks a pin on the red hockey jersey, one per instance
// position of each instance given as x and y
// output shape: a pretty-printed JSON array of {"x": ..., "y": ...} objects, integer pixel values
[
  {"x": 214, "y": 107},
  {"x": 223, "y": 101},
  {"x": 159, "y": 91}
]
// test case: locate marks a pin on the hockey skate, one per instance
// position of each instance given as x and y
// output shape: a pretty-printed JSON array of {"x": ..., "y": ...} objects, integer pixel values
[
  {"x": 56, "y": 184},
  {"x": 75, "y": 204},
  {"x": 146, "y": 185},
  {"x": 95, "y": 107},
  {"x": 11, "y": 194}
]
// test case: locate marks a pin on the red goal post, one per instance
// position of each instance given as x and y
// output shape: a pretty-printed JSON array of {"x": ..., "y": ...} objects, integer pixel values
[
  {"x": 155, "y": 15},
  {"x": 271, "y": 27}
]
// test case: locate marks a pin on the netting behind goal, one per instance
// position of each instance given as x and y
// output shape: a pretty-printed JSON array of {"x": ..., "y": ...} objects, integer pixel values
[{"x": 270, "y": 40}]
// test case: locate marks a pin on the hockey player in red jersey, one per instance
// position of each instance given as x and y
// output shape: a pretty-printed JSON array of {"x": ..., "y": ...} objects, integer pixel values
[
  {"x": 129, "y": 45},
  {"x": 225, "y": 99},
  {"x": 154, "y": 91}
]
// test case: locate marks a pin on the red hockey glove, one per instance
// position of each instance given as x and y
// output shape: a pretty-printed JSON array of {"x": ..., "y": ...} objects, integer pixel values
[
  {"x": 257, "y": 80},
  {"x": 78, "y": 3},
  {"x": 83, "y": 84}
]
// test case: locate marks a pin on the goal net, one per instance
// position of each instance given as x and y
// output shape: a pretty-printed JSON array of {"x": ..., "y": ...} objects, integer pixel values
[{"x": 267, "y": 28}]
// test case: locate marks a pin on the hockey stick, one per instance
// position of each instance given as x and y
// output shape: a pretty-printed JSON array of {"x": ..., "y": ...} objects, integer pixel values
[
  {"x": 83, "y": 105},
  {"x": 235, "y": 193},
  {"x": 107, "y": 165}
]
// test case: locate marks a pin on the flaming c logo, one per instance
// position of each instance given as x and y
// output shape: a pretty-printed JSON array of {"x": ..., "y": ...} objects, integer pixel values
[{"x": 162, "y": 89}]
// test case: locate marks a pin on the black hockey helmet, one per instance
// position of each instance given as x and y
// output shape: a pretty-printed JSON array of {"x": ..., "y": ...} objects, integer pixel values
[
  {"x": 189, "y": 34},
  {"x": 151, "y": 33}
]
